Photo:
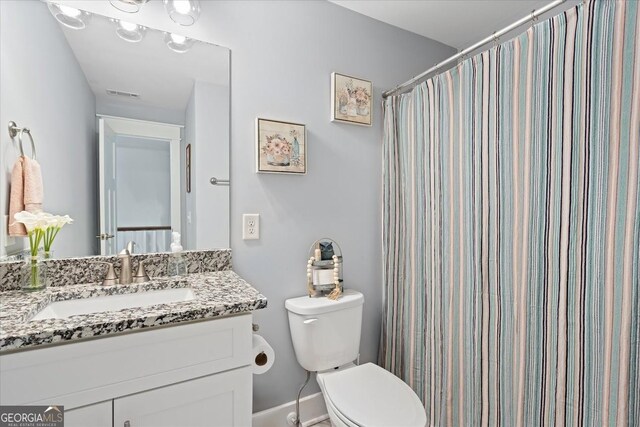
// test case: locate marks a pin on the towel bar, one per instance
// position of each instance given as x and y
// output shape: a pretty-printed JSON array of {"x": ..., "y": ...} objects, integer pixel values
[{"x": 217, "y": 181}]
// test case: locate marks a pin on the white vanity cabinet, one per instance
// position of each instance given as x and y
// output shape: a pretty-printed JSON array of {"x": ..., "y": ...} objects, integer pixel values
[
  {"x": 96, "y": 415},
  {"x": 194, "y": 374},
  {"x": 219, "y": 400}
]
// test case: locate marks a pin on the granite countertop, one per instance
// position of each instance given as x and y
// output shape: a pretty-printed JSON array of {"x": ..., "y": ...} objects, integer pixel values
[{"x": 216, "y": 294}]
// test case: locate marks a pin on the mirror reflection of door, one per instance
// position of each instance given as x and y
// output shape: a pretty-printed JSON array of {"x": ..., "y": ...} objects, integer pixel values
[{"x": 139, "y": 179}]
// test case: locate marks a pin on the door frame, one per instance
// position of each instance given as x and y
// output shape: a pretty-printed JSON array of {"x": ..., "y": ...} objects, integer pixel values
[{"x": 156, "y": 130}]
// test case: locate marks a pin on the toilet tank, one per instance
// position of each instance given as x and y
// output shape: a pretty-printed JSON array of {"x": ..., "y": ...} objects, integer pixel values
[{"x": 325, "y": 333}]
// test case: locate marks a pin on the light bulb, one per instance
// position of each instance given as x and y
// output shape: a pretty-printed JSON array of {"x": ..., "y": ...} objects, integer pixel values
[
  {"x": 178, "y": 38},
  {"x": 178, "y": 43},
  {"x": 129, "y": 31},
  {"x": 128, "y": 26},
  {"x": 69, "y": 11},
  {"x": 182, "y": 6},
  {"x": 129, "y": 6},
  {"x": 183, "y": 12},
  {"x": 69, "y": 16}
]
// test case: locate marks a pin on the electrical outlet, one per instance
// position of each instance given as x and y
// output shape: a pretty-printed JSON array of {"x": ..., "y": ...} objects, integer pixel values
[{"x": 250, "y": 226}]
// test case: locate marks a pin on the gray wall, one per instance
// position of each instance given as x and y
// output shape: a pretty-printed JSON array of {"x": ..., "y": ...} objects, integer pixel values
[
  {"x": 207, "y": 130},
  {"x": 44, "y": 89},
  {"x": 211, "y": 159}
]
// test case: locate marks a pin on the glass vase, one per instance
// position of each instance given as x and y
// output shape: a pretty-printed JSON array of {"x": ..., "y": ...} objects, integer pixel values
[{"x": 34, "y": 274}]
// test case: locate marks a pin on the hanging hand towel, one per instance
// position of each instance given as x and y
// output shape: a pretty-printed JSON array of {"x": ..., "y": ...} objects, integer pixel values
[{"x": 26, "y": 192}]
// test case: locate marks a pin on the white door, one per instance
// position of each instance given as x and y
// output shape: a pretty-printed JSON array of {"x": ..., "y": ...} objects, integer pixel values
[
  {"x": 222, "y": 400},
  {"x": 107, "y": 183}
]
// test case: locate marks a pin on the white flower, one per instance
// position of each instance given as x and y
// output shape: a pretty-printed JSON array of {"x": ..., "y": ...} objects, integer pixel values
[
  {"x": 62, "y": 220},
  {"x": 47, "y": 220},
  {"x": 43, "y": 220},
  {"x": 30, "y": 220}
]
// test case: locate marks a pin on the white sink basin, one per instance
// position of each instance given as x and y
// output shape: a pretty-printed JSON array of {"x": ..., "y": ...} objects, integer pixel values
[{"x": 64, "y": 309}]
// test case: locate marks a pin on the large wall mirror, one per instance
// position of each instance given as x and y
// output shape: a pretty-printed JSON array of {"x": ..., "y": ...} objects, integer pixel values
[{"x": 129, "y": 123}]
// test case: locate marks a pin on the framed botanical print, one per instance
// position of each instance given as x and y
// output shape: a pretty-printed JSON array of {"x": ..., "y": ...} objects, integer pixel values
[
  {"x": 281, "y": 147},
  {"x": 351, "y": 99}
]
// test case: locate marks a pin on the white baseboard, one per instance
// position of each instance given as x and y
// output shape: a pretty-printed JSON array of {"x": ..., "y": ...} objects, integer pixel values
[{"x": 312, "y": 410}]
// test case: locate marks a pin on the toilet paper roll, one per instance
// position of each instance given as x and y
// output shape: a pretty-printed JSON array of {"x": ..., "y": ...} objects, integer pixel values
[
  {"x": 323, "y": 277},
  {"x": 263, "y": 355}
]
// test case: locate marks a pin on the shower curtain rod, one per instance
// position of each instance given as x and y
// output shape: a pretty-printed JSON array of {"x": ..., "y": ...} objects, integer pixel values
[{"x": 410, "y": 84}]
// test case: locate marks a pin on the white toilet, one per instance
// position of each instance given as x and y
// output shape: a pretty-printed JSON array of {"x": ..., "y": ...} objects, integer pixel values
[{"x": 326, "y": 339}]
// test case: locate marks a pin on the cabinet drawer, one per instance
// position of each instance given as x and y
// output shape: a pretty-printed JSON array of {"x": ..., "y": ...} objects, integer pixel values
[
  {"x": 96, "y": 415},
  {"x": 92, "y": 371}
]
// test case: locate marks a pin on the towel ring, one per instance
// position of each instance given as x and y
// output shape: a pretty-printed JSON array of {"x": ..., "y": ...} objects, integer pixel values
[
  {"x": 33, "y": 145},
  {"x": 15, "y": 130}
]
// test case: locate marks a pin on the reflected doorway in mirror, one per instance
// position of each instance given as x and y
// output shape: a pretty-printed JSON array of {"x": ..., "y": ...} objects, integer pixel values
[{"x": 139, "y": 183}]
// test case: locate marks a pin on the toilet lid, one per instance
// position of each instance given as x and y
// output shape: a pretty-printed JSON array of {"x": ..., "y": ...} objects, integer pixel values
[{"x": 370, "y": 396}]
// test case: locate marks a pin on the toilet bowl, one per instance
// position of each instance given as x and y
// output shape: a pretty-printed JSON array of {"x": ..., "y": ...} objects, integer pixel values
[
  {"x": 367, "y": 395},
  {"x": 326, "y": 340}
]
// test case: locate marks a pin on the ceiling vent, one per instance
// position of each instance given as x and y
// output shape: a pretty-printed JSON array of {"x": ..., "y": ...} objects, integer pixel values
[{"x": 131, "y": 95}]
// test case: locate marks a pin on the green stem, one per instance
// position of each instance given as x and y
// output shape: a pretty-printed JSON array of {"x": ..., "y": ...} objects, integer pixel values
[
  {"x": 31, "y": 242},
  {"x": 50, "y": 236},
  {"x": 35, "y": 278}
]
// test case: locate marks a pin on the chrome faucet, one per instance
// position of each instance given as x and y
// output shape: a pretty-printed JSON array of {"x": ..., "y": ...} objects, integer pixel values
[
  {"x": 126, "y": 267},
  {"x": 126, "y": 275}
]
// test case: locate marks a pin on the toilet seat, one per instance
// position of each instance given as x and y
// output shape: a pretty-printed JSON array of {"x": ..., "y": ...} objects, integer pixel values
[{"x": 368, "y": 395}]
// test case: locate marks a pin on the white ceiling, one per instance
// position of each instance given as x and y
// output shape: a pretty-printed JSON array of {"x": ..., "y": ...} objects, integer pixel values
[
  {"x": 163, "y": 78},
  {"x": 457, "y": 23}
]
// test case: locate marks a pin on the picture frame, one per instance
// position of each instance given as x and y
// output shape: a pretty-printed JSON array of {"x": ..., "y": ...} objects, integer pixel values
[
  {"x": 351, "y": 100},
  {"x": 281, "y": 147},
  {"x": 188, "y": 167}
]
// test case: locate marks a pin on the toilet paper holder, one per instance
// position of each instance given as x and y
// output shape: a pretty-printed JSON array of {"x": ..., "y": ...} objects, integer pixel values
[
  {"x": 261, "y": 359},
  {"x": 263, "y": 355}
]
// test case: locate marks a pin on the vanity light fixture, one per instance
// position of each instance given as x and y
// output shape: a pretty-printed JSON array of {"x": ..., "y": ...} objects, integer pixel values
[
  {"x": 178, "y": 43},
  {"x": 129, "y": 31},
  {"x": 129, "y": 6},
  {"x": 183, "y": 12},
  {"x": 69, "y": 16}
]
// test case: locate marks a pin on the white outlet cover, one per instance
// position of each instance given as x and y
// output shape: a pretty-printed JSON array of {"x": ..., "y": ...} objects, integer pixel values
[{"x": 250, "y": 226}]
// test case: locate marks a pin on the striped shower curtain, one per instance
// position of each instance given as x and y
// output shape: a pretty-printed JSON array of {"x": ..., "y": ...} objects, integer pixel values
[{"x": 512, "y": 229}]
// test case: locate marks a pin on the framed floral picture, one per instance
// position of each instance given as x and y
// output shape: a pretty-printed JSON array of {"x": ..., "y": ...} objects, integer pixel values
[
  {"x": 281, "y": 147},
  {"x": 351, "y": 99}
]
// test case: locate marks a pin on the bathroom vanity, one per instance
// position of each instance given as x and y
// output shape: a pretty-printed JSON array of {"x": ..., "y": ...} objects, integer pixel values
[{"x": 179, "y": 362}]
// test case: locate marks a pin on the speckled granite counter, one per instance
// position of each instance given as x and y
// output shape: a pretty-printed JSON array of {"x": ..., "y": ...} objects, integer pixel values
[{"x": 216, "y": 294}]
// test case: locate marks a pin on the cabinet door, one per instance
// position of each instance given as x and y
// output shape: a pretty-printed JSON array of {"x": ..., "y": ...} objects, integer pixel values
[
  {"x": 216, "y": 400},
  {"x": 96, "y": 415}
]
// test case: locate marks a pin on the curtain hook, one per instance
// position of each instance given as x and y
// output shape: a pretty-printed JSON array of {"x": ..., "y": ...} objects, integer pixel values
[{"x": 495, "y": 38}]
